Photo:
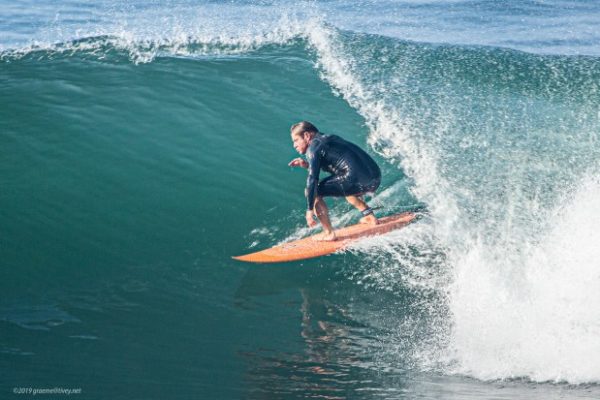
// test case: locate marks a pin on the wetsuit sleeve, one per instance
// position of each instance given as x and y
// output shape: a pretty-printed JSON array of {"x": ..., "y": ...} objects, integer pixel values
[{"x": 314, "y": 167}]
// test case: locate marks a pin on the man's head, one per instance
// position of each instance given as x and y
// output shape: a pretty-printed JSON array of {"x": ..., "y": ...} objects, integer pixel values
[{"x": 302, "y": 134}]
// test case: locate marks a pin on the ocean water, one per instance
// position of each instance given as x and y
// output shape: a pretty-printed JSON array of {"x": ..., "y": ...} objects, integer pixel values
[{"x": 142, "y": 144}]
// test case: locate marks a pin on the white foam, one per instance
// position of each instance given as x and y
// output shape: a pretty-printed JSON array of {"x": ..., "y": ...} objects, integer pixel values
[{"x": 535, "y": 315}]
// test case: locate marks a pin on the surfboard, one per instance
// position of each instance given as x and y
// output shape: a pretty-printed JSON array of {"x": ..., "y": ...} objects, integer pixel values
[{"x": 309, "y": 248}]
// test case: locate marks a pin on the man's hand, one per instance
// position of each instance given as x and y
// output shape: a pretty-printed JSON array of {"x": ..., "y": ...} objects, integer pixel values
[
  {"x": 310, "y": 219},
  {"x": 298, "y": 162}
]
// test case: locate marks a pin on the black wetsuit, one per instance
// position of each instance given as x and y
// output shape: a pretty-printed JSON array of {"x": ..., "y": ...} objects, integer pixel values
[{"x": 353, "y": 171}]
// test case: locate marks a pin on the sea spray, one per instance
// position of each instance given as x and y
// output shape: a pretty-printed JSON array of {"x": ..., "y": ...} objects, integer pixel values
[
  {"x": 537, "y": 317},
  {"x": 506, "y": 316}
]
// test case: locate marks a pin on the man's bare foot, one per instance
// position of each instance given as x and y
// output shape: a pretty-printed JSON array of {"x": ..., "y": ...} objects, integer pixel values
[
  {"x": 325, "y": 237},
  {"x": 369, "y": 219}
]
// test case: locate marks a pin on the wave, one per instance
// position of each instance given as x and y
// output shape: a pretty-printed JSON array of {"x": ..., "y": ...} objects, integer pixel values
[{"x": 494, "y": 142}]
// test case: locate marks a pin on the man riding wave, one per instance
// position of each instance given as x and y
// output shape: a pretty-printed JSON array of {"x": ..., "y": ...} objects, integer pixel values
[{"x": 353, "y": 173}]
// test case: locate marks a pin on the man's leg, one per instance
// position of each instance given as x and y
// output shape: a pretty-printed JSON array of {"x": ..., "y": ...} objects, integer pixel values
[
  {"x": 323, "y": 215},
  {"x": 359, "y": 203}
]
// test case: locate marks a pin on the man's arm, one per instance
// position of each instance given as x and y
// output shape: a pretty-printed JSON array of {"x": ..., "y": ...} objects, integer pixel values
[{"x": 312, "y": 181}]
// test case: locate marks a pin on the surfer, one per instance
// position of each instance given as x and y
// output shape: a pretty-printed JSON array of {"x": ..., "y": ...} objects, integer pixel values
[{"x": 353, "y": 173}]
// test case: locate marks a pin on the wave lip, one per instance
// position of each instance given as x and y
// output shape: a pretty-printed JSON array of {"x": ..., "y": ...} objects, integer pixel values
[
  {"x": 146, "y": 31},
  {"x": 146, "y": 50}
]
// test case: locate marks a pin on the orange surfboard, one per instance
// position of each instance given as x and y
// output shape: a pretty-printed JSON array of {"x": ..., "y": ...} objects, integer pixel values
[{"x": 309, "y": 248}]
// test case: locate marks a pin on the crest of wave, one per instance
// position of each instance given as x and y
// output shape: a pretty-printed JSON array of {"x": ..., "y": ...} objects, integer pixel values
[{"x": 185, "y": 30}]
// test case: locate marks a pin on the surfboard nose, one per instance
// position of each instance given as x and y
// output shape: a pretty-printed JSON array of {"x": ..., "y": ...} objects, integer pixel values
[{"x": 259, "y": 258}]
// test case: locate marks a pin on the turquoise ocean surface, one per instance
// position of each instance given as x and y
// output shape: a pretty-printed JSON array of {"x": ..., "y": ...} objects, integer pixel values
[{"x": 144, "y": 143}]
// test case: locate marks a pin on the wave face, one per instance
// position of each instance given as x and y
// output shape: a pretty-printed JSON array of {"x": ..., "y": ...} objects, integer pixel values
[{"x": 136, "y": 141}]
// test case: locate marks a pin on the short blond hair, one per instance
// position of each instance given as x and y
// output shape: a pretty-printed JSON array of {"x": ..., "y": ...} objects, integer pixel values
[{"x": 303, "y": 126}]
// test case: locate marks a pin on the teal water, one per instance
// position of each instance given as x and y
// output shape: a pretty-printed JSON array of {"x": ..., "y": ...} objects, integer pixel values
[
  {"x": 126, "y": 190},
  {"x": 128, "y": 182}
]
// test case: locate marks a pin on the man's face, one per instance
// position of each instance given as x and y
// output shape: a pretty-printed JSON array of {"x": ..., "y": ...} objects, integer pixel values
[{"x": 300, "y": 142}]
